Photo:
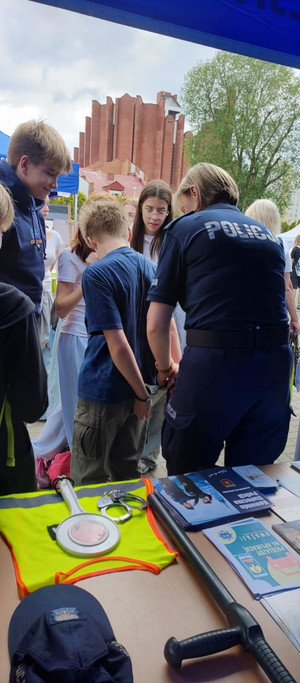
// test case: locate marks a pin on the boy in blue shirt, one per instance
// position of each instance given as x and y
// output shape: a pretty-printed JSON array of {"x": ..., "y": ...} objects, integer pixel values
[{"x": 113, "y": 402}]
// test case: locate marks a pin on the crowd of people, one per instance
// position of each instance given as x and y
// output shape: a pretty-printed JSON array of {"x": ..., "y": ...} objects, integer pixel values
[{"x": 173, "y": 332}]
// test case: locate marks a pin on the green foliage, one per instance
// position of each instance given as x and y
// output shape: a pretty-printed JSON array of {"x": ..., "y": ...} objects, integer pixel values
[
  {"x": 70, "y": 200},
  {"x": 288, "y": 226},
  {"x": 244, "y": 114}
]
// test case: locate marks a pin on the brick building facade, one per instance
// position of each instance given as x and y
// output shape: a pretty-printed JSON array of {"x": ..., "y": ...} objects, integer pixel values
[{"x": 150, "y": 136}]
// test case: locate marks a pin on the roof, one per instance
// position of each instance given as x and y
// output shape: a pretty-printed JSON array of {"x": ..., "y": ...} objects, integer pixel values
[
  {"x": 115, "y": 185},
  {"x": 129, "y": 185}
]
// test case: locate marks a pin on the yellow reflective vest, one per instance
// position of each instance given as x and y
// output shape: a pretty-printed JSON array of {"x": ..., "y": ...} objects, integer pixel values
[{"x": 28, "y": 522}]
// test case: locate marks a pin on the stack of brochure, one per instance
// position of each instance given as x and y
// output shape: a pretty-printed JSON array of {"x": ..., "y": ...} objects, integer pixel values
[
  {"x": 291, "y": 483},
  {"x": 290, "y": 531},
  {"x": 197, "y": 499},
  {"x": 254, "y": 476},
  {"x": 264, "y": 563},
  {"x": 284, "y": 608}
]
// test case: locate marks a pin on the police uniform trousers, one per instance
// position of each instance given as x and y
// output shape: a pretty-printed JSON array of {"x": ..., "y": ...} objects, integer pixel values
[{"x": 233, "y": 397}]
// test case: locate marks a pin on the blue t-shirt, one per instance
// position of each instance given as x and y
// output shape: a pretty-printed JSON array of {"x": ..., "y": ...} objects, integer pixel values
[
  {"x": 115, "y": 292},
  {"x": 225, "y": 269}
]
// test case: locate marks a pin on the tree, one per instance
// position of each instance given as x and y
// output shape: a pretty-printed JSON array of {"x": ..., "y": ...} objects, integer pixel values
[
  {"x": 70, "y": 200},
  {"x": 244, "y": 114}
]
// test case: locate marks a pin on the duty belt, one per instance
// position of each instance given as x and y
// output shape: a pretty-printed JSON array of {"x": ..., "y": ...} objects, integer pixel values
[{"x": 252, "y": 337}]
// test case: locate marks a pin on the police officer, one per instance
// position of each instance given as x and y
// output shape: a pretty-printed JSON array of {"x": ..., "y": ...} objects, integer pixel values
[{"x": 227, "y": 272}]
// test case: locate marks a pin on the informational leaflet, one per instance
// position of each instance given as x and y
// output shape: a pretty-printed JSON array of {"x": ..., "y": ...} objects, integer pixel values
[
  {"x": 254, "y": 476},
  {"x": 285, "y": 504},
  {"x": 284, "y": 608},
  {"x": 265, "y": 564},
  {"x": 292, "y": 483},
  {"x": 290, "y": 531},
  {"x": 196, "y": 499}
]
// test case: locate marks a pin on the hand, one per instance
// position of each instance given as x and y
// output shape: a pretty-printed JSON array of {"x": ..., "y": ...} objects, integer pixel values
[
  {"x": 166, "y": 381},
  {"x": 295, "y": 326},
  {"x": 142, "y": 409}
]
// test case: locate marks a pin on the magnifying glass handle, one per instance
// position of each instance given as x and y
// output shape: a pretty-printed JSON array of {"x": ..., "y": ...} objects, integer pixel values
[{"x": 69, "y": 496}]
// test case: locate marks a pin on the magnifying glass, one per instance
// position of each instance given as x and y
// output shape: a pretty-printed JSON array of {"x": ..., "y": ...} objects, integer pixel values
[{"x": 84, "y": 533}]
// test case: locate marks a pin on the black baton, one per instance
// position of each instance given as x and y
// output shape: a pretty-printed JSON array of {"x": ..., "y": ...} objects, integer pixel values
[{"x": 243, "y": 628}]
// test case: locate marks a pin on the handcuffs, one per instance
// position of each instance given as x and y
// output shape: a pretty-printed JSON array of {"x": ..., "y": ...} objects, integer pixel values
[{"x": 127, "y": 501}]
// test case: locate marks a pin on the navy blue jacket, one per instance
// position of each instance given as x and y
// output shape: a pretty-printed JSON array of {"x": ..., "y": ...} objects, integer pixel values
[
  {"x": 225, "y": 269},
  {"x": 23, "y": 245}
]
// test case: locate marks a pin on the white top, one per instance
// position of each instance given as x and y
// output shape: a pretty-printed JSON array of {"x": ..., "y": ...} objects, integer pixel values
[
  {"x": 70, "y": 269},
  {"x": 53, "y": 245},
  {"x": 146, "y": 251},
  {"x": 288, "y": 262},
  {"x": 287, "y": 256}
]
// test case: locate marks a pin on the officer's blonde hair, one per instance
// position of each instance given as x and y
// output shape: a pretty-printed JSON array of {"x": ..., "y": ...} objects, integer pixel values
[
  {"x": 39, "y": 142},
  {"x": 265, "y": 211},
  {"x": 6, "y": 209},
  {"x": 213, "y": 183}
]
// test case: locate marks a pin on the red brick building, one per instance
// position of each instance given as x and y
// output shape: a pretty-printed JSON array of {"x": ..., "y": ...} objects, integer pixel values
[{"x": 149, "y": 136}]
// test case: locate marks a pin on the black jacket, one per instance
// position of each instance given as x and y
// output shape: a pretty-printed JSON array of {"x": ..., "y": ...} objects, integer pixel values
[{"x": 23, "y": 388}]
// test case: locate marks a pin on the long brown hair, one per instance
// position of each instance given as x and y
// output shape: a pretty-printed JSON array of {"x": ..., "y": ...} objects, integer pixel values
[
  {"x": 79, "y": 247},
  {"x": 155, "y": 188}
]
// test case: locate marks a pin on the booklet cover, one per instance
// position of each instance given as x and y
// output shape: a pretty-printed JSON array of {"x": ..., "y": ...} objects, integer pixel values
[
  {"x": 197, "y": 499},
  {"x": 254, "y": 476},
  {"x": 284, "y": 608},
  {"x": 285, "y": 504},
  {"x": 290, "y": 531},
  {"x": 292, "y": 483},
  {"x": 264, "y": 563}
]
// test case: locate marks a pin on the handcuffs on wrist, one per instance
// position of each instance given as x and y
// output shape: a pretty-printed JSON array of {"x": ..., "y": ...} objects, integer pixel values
[{"x": 127, "y": 501}]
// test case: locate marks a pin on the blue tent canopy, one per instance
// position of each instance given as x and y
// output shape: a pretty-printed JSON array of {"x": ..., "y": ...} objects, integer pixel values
[
  {"x": 265, "y": 29},
  {"x": 69, "y": 183},
  {"x": 4, "y": 142}
]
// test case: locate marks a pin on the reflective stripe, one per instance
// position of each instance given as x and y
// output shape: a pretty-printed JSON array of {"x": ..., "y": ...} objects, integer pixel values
[
  {"x": 38, "y": 498},
  {"x": 6, "y": 413},
  {"x": 28, "y": 523}
]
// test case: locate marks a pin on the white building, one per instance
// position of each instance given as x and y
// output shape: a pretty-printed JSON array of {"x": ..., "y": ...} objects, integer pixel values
[{"x": 292, "y": 213}]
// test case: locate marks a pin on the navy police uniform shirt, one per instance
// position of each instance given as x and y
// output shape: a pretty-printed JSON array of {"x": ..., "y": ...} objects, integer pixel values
[{"x": 224, "y": 268}]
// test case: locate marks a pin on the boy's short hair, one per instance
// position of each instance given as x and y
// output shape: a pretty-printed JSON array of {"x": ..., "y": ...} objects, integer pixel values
[
  {"x": 99, "y": 218},
  {"x": 39, "y": 142},
  {"x": 6, "y": 209}
]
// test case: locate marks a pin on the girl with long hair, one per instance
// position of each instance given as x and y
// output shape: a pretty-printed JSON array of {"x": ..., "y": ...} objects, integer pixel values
[{"x": 154, "y": 212}]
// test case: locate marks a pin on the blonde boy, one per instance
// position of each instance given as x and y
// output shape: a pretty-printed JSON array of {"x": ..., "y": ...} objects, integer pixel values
[
  {"x": 114, "y": 403},
  {"x": 36, "y": 156}
]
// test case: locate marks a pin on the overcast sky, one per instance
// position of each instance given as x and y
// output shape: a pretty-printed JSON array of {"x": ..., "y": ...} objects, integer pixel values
[{"x": 54, "y": 62}]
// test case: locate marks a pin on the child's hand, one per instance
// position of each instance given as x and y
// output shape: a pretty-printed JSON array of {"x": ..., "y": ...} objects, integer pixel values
[{"x": 142, "y": 409}]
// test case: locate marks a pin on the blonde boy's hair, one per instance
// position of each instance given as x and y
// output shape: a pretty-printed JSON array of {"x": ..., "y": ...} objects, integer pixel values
[
  {"x": 101, "y": 195},
  {"x": 214, "y": 185},
  {"x": 100, "y": 218},
  {"x": 6, "y": 209},
  {"x": 131, "y": 202},
  {"x": 39, "y": 142},
  {"x": 266, "y": 212}
]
